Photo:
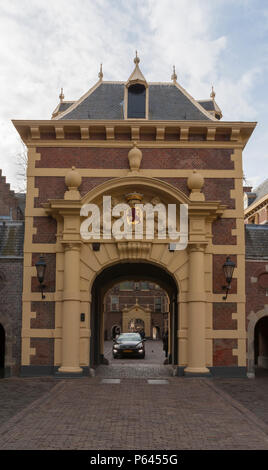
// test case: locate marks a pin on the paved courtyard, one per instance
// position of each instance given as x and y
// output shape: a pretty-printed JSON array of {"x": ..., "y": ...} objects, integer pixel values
[
  {"x": 177, "y": 413},
  {"x": 151, "y": 366}
]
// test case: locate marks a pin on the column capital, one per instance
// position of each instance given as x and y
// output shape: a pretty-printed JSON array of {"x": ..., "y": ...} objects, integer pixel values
[
  {"x": 71, "y": 246},
  {"x": 200, "y": 247}
]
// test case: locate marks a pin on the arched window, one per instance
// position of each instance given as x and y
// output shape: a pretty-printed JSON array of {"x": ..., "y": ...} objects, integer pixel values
[{"x": 136, "y": 107}]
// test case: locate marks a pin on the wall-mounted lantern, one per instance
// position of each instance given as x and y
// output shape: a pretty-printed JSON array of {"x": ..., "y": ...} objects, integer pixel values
[
  {"x": 41, "y": 269},
  {"x": 228, "y": 269}
]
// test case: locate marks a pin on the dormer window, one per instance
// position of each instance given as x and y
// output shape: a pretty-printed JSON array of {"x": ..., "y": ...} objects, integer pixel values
[
  {"x": 136, "y": 94},
  {"x": 136, "y": 101}
]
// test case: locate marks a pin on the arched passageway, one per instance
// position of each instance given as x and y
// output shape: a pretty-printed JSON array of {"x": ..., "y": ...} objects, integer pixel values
[
  {"x": 261, "y": 343},
  {"x": 2, "y": 351},
  {"x": 137, "y": 271}
]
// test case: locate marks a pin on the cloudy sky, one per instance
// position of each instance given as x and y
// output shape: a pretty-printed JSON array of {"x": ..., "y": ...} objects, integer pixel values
[{"x": 46, "y": 45}]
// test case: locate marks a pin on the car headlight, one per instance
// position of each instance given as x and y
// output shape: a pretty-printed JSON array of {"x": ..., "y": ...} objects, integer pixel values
[
  {"x": 139, "y": 346},
  {"x": 116, "y": 346}
]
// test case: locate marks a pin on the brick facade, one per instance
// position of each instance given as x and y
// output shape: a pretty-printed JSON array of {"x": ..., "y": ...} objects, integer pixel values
[
  {"x": 215, "y": 189},
  {"x": 164, "y": 158},
  {"x": 256, "y": 285},
  {"x": 11, "y": 277},
  {"x": 144, "y": 298},
  {"x": 223, "y": 352}
]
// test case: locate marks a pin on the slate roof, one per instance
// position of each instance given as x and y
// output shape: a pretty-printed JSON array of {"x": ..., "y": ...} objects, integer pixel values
[
  {"x": 11, "y": 239},
  {"x": 256, "y": 238},
  {"x": 65, "y": 105},
  {"x": 208, "y": 105},
  {"x": 166, "y": 102}
]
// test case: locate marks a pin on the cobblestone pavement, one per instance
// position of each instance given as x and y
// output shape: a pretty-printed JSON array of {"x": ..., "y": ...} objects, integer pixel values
[
  {"x": 150, "y": 366},
  {"x": 133, "y": 414},
  {"x": 16, "y": 393},
  {"x": 154, "y": 354},
  {"x": 251, "y": 393}
]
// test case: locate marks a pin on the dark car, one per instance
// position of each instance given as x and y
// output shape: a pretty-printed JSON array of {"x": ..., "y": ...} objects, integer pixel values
[{"x": 129, "y": 344}]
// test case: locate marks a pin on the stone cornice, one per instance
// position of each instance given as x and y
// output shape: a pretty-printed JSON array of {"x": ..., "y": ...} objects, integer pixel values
[
  {"x": 256, "y": 206},
  {"x": 122, "y": 132}
]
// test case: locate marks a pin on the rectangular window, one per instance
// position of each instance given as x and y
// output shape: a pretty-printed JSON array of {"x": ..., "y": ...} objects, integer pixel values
[
  {"x": 157, "y": 304},
  {"x": 136, "y": 106},
  {"x": 114, "y": 303},
  {"x": 127, "y": 285},
  {"x": 144, "y": 285}
]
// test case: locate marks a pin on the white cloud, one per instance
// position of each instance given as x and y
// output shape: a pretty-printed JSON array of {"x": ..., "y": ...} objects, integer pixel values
[{"x": 47, "y": 45}]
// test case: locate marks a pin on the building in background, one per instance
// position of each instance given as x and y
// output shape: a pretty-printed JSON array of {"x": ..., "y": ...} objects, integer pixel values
[
  {"x": 148, "y": 302},
  {"x": 151, "y": 142},
  {"x": 11, "y": 276},
  {"x": 256, "y": 204},
  {"x": 257, "y": 295}
]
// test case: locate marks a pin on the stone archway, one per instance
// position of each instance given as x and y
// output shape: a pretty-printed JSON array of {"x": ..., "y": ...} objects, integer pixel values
[
  {"x": 254, "y": 318},
  {"x": 115, "y": 330},
  {"x": 83, "y": 262},
  {"x": 133, "y": 271}
]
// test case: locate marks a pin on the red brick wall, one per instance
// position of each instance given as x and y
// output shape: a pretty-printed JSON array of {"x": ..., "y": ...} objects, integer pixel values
[
  {"x": 44, "y": 351},
  {"x": 218, "y": 275},
  {"x": 222, "y": 232},
  {"x": 256, "y": 297},
  {"x": 46, "y": 230},
  {"x": 11, "y": 276},
  {"x": 222, "y": 352},
  {"x": 53, "y": 187},
  {"x": 222, "y": 316},
  {"x": 215, "y": 189},
  {"x": 45, "y": 315},
  {"x": 168, "y": 158},
  {"x": 8, "y": 201}
]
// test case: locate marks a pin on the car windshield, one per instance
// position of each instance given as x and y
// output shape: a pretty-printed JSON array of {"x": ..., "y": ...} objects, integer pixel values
[{"x": 129, "y": 337}]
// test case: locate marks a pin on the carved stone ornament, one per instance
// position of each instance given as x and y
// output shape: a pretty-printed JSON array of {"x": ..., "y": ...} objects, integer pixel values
[
  {"x": 134, "y": 158},
  {"x": 195, "y": 183},
  {"x": 72, "y": 180}
]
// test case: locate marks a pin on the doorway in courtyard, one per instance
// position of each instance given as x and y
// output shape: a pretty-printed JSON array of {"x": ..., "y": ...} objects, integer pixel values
[
  {"x": 261, "y": 346},
  {"x": 134, "y": 297}
]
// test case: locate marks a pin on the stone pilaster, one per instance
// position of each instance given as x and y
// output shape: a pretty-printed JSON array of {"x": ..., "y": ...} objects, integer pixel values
[
  {"x": 196, "y": 312},
  {"x": 71, "y": 310}
]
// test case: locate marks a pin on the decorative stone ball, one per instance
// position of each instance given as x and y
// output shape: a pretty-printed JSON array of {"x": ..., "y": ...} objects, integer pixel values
[
  {"x": 195, "y": 181},
  {"x": 73, "y": 178},
  {"x": 134, "y": 157}
]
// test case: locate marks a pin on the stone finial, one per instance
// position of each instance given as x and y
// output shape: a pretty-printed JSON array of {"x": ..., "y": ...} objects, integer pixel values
[
  {"x": 174, "y": 75},
  {"x": 61, "y": 95},
  {"x": 136, "y": 59},
  {"x": 212, "y": 94},
  {"x": 195, "y": 183},
  {"x": 72, "y": 180},
  {"x": 134, "y": 158},
  {"x": 100, "y": 74}
]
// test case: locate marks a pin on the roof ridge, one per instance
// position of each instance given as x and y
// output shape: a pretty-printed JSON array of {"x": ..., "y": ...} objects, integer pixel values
[{"x": 76, "y": 103}]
